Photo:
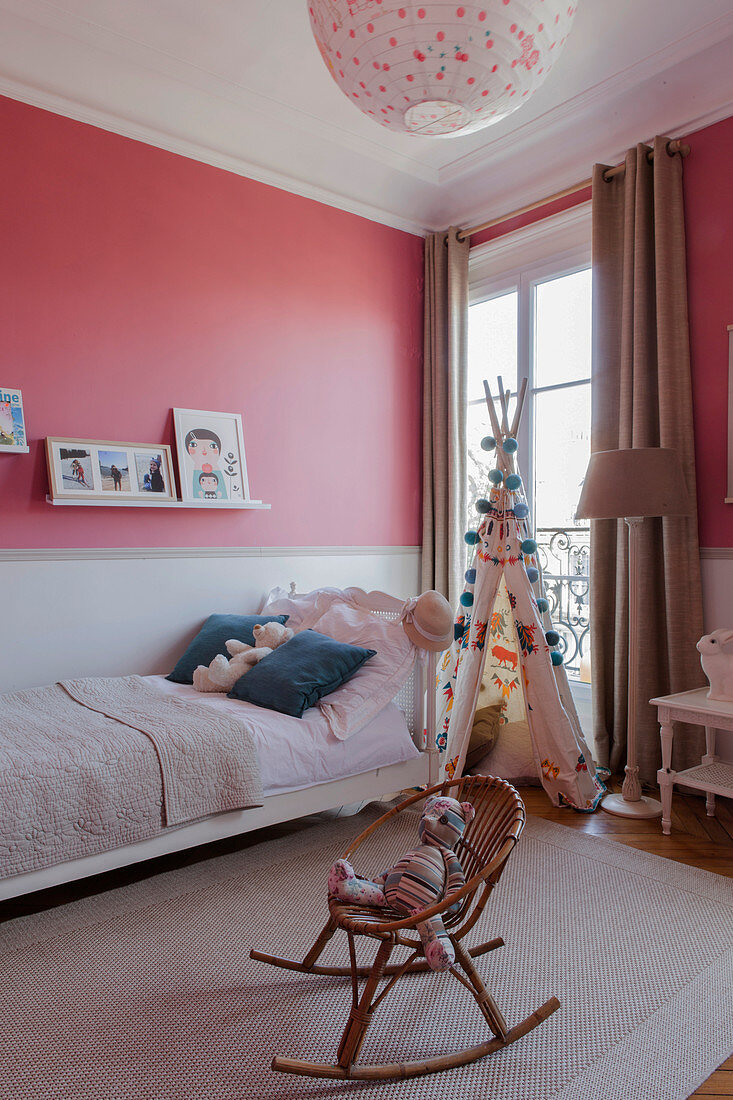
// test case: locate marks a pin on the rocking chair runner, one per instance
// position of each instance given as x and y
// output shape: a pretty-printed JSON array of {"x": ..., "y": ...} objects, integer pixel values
[{"x": 483, "y": 850}]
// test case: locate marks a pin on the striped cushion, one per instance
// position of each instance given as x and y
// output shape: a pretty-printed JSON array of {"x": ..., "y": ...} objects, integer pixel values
[{"x": 417, "y": 881}]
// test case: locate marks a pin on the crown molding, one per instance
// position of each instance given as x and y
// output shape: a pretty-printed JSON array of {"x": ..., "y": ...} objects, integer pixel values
[
  {"x": 604, "y": 91},
  {"x": 699, "y": 122},
  {"x": 53, "y": 59},
  {"x": 92, "y": 116},
  {"x": 131, "y": 51}
]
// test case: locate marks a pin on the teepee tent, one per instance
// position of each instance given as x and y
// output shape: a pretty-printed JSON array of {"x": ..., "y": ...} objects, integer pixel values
[{"x": 504, "y": 648}]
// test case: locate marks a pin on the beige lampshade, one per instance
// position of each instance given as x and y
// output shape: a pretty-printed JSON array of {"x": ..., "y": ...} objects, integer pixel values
[{"x": 640, "y": 481}]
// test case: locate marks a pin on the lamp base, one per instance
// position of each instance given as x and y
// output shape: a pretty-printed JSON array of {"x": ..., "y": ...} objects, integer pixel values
[{"x": 641, "y": 808}]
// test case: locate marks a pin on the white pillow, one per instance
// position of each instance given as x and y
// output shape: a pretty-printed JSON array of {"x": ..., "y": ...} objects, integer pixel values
[{"x": 351, "y": 706}]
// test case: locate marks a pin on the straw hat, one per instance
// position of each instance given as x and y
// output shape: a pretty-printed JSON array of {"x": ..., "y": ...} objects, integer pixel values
[{"x": 428, "y": 621}]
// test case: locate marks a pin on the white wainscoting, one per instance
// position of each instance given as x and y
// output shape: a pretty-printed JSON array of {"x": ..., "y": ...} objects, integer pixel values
[
  {"x": 68, "y": 613},
  {"x": 717, "y": 586},
  {"x": 717, "y": 599},
  {"x": 84, "y": 612}
]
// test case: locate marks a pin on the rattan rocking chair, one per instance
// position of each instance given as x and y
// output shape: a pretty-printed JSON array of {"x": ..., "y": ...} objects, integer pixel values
[{"x": 483, "y": 850}]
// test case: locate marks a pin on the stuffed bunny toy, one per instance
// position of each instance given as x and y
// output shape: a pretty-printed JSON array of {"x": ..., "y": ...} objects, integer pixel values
[
  {"x": 717, "y": 666},
  {"x": 420, "y": 879},
  {"x": 222, "y": 674}
]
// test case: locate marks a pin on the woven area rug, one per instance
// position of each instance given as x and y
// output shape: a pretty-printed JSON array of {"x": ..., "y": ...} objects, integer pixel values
[{"x": 148, "y": 993}]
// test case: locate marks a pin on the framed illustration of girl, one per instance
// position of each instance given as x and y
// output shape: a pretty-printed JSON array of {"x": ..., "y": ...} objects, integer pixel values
[{"x": 211, "y": 461}]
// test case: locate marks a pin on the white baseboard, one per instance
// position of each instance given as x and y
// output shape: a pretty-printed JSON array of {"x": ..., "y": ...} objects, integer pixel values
[{"x": 110, "y": 612}]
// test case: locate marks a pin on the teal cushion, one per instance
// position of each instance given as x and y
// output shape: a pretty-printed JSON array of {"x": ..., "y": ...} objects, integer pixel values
[
  {"x": 300, "y": 672},
  {"x": 211, "y": 639}
]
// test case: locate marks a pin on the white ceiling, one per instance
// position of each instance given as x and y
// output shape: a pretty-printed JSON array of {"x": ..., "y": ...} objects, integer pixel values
[{"x": 240, "y": 84}]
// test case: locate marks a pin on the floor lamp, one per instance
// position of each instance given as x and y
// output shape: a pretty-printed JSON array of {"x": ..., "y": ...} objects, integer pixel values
[{"x": 631, "y": 485}]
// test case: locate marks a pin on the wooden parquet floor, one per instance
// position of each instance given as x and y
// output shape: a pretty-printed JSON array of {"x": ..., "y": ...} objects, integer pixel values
[{"x": 696, "y": 839}]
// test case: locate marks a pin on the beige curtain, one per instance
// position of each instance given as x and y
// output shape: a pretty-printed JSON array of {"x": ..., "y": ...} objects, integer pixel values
[
  {"x": 444, "y": 414},
  {"x": 641, "y": 397}
]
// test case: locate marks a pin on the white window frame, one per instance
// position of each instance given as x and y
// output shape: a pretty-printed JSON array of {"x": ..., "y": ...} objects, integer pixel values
[{"x": 556, "y": 246}]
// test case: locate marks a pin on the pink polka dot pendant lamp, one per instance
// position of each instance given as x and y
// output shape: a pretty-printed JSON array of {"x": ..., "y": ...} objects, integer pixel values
[{"x": 439, "y": 69}]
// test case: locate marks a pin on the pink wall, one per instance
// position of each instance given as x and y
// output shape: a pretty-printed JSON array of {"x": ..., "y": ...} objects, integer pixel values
[
  {"x": 135, "y": 280},
  {"x": 709, "y": 225}
]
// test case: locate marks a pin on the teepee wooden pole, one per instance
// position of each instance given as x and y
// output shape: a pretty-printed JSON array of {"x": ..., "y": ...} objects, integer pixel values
[
  {"x": 503, "y": 399},
  {"x": 521, "y": 397},
  {"x": 492, "y": 413},
  {"x": 511, "y": 459}
]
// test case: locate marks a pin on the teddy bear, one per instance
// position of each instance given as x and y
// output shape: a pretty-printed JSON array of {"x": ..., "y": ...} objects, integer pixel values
[
  {"x": 222, "y": 674},
  {"x": 420, "y": 879}
]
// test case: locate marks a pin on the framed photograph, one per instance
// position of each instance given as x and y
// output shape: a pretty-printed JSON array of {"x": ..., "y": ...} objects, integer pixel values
[
  {"x": 13, "y": 436},
  {"x": 154, "y": 472},
  {"x": 114, "y": 472},
  {"x": 211, "y": 462},
  {"x": 114, "y": 469}
]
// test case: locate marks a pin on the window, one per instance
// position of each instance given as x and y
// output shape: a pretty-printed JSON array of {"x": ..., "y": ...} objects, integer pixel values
[{"x": 530, "y": 314}]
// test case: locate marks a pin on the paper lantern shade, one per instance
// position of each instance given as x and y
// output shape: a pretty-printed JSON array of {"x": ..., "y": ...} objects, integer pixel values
[{"x": 439, "y": 68}]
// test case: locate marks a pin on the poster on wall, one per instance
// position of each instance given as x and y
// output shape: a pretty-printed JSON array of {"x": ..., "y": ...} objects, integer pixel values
[
  {"x": 211, "y": 462},
  {"x": 113, "y": 472},
  {"x": 13, "y": 435}
]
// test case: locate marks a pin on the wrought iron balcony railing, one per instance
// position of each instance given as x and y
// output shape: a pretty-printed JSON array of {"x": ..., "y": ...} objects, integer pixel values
[{"x": 564, "y": 554}]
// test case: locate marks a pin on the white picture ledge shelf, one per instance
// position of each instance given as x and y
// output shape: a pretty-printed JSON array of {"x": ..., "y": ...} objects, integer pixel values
[{"x": 209, "y": 505}]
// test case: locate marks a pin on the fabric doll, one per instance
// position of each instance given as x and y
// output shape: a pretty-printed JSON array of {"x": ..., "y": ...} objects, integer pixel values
[{"x": 420, "y": 879}]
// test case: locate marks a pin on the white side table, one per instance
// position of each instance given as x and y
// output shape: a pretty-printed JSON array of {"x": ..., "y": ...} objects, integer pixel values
[{"x": 710, "y": 775}]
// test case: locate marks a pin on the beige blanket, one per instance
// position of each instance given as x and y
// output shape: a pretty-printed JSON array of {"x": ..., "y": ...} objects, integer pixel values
[{"x": 89, "y": 765}]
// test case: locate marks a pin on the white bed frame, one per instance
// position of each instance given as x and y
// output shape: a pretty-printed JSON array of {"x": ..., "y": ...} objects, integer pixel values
[{"x": 414, "y": 699}]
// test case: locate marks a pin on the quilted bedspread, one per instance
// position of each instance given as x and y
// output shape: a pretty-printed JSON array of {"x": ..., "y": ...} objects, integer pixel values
[{"x": 89, "y": 765}]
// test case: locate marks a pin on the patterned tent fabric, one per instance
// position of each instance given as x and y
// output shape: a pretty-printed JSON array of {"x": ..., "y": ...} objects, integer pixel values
[{"x": 503, "y": 622}]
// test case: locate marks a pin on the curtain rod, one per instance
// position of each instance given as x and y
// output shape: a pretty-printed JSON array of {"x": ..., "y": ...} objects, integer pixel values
[{"x": 676, "y": 146}]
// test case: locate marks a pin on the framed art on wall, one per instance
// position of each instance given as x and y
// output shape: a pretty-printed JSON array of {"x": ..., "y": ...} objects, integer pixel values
[
  {"x": 13, "y": 435},
  {"x": 211, "y": 463},
  {"x": 113, "y": 472}
]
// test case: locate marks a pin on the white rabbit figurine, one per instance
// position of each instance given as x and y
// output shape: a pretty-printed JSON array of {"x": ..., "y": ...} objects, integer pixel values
[{"x": 717, "y": 666}]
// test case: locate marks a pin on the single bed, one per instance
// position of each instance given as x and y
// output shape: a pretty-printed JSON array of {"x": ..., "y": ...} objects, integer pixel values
[{"x": 303, "y": 768}]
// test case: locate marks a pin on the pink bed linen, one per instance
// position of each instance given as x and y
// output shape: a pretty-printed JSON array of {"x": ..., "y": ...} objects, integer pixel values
[{"x": 298, "y": 752}]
